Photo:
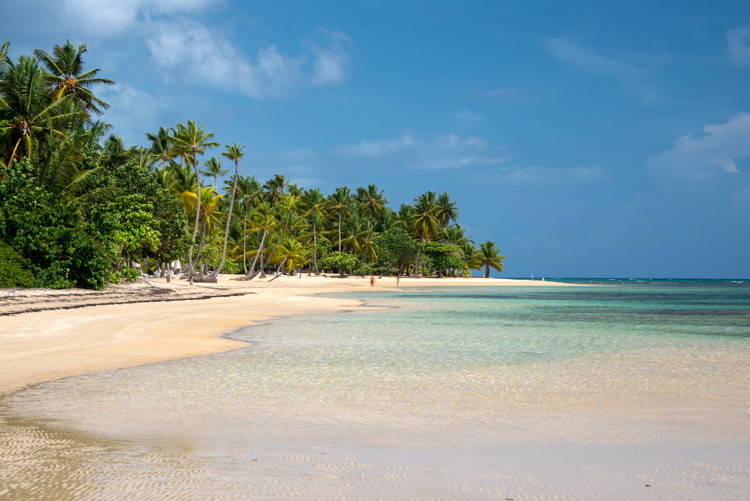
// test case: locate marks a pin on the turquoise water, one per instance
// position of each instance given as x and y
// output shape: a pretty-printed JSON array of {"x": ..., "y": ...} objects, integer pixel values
[{"x": 450, "y": 368}]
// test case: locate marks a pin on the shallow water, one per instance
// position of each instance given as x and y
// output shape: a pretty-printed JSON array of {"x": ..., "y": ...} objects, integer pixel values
[{"x": 433, "y": 394}]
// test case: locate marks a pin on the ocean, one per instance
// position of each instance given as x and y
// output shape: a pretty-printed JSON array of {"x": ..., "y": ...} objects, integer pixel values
[{"x": 451, "y": 393}]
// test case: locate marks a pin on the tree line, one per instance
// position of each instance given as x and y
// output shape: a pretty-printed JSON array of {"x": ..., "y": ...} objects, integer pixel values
[{"x": 80, "y": 208}]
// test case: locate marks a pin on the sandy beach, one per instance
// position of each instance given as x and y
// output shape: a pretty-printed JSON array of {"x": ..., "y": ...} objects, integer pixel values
[{"x": 50, "y": 334}]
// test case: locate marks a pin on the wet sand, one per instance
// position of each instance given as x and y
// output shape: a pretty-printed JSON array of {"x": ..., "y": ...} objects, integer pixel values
[{"x": 50, "y": 334}]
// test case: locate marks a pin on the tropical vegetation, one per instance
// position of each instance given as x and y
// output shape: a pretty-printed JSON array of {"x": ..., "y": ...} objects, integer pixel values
[{"x": 79, "y": 207}]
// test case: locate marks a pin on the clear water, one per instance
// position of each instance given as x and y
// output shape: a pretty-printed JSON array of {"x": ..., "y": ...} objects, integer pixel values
[{"x": 424, "y": 370}]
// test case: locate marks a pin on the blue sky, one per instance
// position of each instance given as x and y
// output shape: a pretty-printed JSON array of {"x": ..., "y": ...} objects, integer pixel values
[{"x": 584, "y": 138}]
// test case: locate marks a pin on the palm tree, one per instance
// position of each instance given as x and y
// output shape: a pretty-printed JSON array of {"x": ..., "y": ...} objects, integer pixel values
[
  {"x": 264, "y": 220},
  {"x": 251, "y": 193},
  {"x": 66, "y": 76},
  {"x": 234, "y": 153},
  {"x": 371, "y": 202},
  {"x": 275, "y": 188},
  {"x": 208, "y": 213},
  {"x": 338, "y": 203},
  {"x": 292, "y": 253},
  {"x": 491, "y": 258},
  {"x": 28, "y": 108},
  {"x": 424, "y": 222},
  {"x": 214, "y": 170},
  {"x": 314, "y": 203},
  {"x": 446, "y": 211},
  {"x": 161, "y": 146},
  {"x": 191, "y": 141}
]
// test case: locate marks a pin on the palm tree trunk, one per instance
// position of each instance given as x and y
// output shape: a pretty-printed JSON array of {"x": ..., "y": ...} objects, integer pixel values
[
  {"x": 229, "y": 220},
  {"x": 244, "y": 241},
  {"x": 260, "y": 251},
  {"x": 339, "y": 232},
  {"x": 419, "y": 249},
  {"x": 315, "y": 249},
  {"x": 191, "y": 269}
]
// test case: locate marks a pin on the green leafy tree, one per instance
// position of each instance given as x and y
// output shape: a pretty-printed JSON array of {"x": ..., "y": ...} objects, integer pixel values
[
  {"x": 339, "y": 261},
  {"x": 396, "y": 249}
]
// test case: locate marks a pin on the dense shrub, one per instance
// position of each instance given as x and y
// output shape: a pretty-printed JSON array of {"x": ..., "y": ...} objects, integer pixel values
[{"x": 13, "y": 269}]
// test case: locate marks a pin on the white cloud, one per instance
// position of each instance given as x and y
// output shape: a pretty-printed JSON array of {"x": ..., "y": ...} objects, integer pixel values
[
  {"x": 330, "y": 63},
  {"x": 534, "y": 175},
  {"x": 738, "y": 44},
  {"x": 700, "y": 158},
  {"x": 111, "y": 18},
  {"x": 191, "y": 51},
  {"x": 441, "y": 152},
  {"x": 634, "y": 78}
]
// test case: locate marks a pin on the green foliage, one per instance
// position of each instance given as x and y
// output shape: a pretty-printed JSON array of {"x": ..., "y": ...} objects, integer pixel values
[
  {"x": 13, "y": 269},
  {"x": 323, "y": 246},
  {"x": 231, "y": 266},
  {"x": 396, "y": 249},
  {"x": 445, "y": 258},
  {"x": 131, "y": 274},
  {"x": 365, "y": 269},
  {"x": 339, "y": 261}
]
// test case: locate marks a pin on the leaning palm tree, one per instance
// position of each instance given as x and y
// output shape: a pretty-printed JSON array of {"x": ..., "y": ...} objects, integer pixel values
[
  {"x": 234, "y": 153},
  {"x": 27, "y": 107},
  {"x": 190, "y": 141},
  {"x": 491, "y": 258},
  {"x": 66, "y": 76},
  {"x": 263, "y": 220}
]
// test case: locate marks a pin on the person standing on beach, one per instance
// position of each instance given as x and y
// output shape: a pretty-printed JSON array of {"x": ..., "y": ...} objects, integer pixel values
[
  {"x": 398, "y": 279},
  {"x": 372, "y": 281}
]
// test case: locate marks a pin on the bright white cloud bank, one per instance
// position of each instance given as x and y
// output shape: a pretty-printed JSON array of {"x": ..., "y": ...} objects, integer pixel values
[
  {"x": 699, "y": 158},
  {"x": 192, "y": 51}
]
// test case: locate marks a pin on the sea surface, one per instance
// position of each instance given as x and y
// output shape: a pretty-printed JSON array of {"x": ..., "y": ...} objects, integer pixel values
[{"x": 625, "y": 389}]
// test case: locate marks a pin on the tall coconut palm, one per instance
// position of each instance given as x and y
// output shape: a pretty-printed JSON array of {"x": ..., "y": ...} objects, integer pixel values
[
  {"x": 315, "y": 209},
  {"x": 424, "y": 222},
  {"x": 66, "y": 76},
  {"x": 190, "y": 141},
  {"x": 491, "y": 258},
  {"x": 370, "y": 201},
  {"x": 234, "y": 153},
  {"x": 275, "y": 188},
  {"x": 251, "y": 192},
  {"x": 161, "y": 147},
  {"x": 209, "y": 214},
  {"x": 213, "y": 169},
  {"x": 28, "y": 110},
  {"x": 338, "y": 203},
  {"x": 446, "y": 211}
]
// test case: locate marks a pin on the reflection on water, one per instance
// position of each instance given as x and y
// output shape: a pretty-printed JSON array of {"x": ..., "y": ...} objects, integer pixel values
[{"x": 296, "y": 412}]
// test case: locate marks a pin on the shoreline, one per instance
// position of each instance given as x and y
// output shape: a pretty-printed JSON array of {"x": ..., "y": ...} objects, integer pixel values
[{"x": 51, "y": 334}]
